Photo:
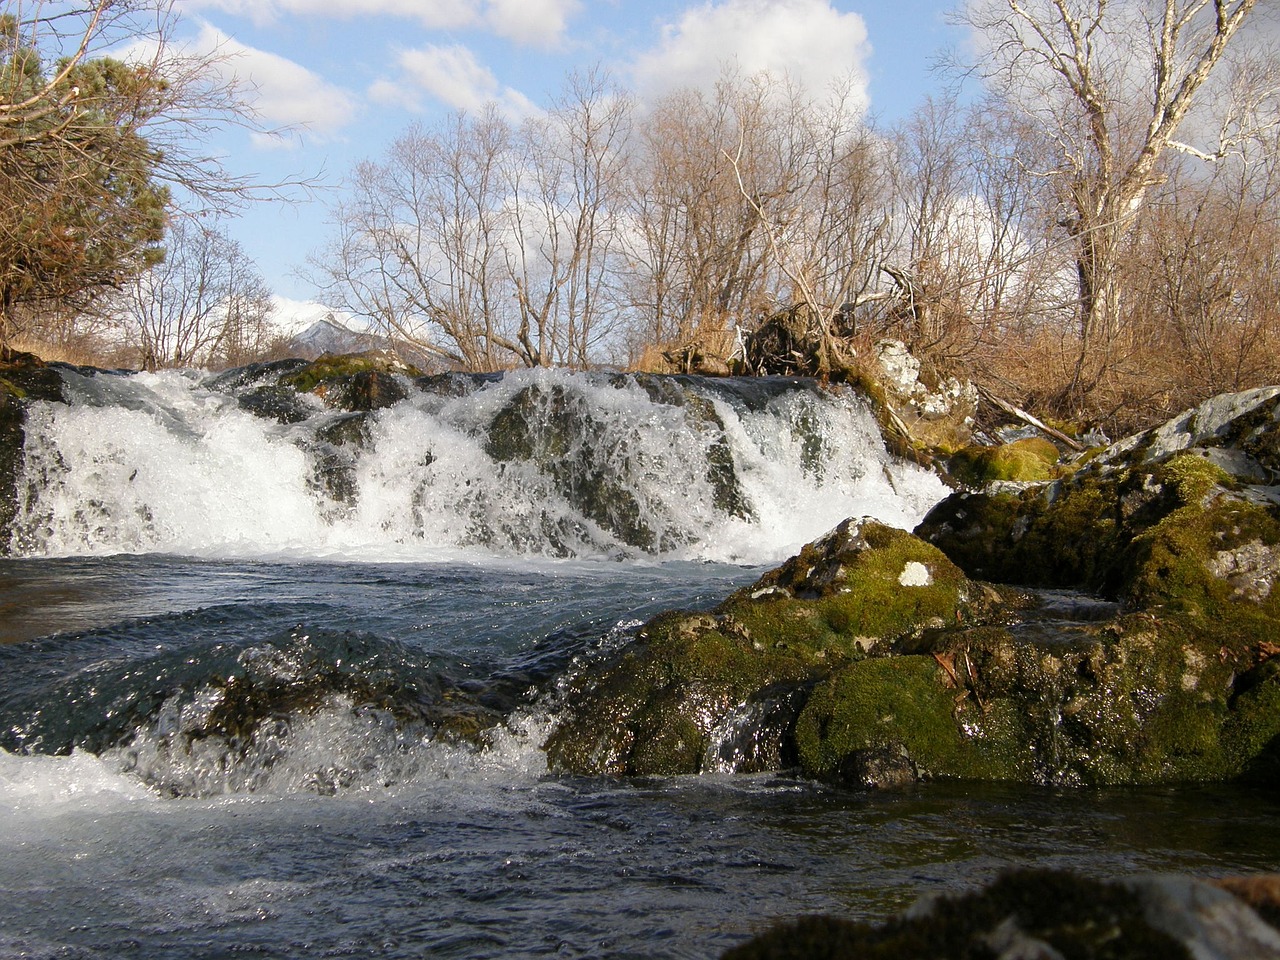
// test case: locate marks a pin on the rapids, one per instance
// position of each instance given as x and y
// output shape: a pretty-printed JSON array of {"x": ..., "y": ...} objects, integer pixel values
[{"x": 540, "y": 464}]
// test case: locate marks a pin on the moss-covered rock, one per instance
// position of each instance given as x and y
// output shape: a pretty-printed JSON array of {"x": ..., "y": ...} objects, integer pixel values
[
  {"x": 871, "y": 659},
  {"x": 663, "y": 704},
  {"x": 354, "y": 382},
  {"x": 1030, "y": 459}
]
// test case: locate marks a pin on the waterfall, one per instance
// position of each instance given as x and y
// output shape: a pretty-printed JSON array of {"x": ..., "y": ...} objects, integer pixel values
[{"x": 533, "y": 463}]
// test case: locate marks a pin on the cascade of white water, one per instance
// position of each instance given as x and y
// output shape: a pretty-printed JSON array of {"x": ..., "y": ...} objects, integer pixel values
[{"x": 168, "y": 463}]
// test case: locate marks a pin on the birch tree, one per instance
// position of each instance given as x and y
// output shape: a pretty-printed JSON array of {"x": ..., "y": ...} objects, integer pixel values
[{"x": 1110, "y": 83}]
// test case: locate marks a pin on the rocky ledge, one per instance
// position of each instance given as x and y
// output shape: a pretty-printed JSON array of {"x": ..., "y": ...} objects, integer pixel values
[
  {"x": 1117, "y": 625},
  {"x": 1049, "y": 915}
]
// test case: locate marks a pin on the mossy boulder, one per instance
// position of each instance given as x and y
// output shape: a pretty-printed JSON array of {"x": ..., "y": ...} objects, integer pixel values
[
  {"x": 670, "y": 701},
  {"x": 1030, "y": 459},
  {"x": 875, "y": 657},
  {"x": 354, "y": 382},
  {"x": 555, "y": 431},
  {"x": 1176, "y": 522}
]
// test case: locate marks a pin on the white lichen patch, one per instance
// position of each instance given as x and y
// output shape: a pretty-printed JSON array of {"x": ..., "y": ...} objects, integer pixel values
[
  {"x": 915, "y": 574},
  {"x": 1250, "y": 568},
  {"x": 1196, "y": 665}
]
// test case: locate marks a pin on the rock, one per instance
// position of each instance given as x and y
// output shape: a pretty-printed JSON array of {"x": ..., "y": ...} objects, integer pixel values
[
  {"x": 656, "y": 706},
  {"x": 586, "y": 458},
  {"x": 898, "y": 667},
  {"x": 1032, "y": 914},
  {"x": 555, "y": 431},
  {"x": 24, "y": 379},
  {"x": 940, "y": 416},
  {"x": 272, "y": 401},
  {"x": 1206, "y": 919},
  {"x": 949, "y": 398},
  {"x": 1151, "y": 522},
  {"x": 354, "y": 382},
  {"x": 1261, "y": 892},
  {"x": 1031, "y": 459},
  {"x": 1246, "y": 421}
]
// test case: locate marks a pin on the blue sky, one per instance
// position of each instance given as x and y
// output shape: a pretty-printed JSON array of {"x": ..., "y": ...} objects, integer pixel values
[{"x": 350, "y": 75}]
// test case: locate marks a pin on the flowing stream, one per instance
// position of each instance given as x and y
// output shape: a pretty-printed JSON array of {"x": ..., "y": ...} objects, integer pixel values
[{"x": 277, "y": 684}]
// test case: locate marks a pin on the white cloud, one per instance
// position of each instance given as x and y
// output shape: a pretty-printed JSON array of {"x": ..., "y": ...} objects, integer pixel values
[
  {"x": 284, "y": 93},
  {"x": 525, "y": 22},
  {"x": 808, "y": 40},
  {"x": 530, "y": 22},
  {"x": 452, "y": 75},
  {"x": 436, "y": 14}
]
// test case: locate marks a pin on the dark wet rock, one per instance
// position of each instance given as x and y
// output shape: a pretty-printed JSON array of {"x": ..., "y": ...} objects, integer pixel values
[
  {"x": 23, "y": 380},
  {"x": 239, "y": 379},
  {"x": 334, "y": 455},
  {"x": 354, "y": 382},
  {"x": 588, "y": 461},
  {"x": 1032, "y": 914},
  {"x": 192, "y": 720},
  {"x": 556, "y": 432},
  {"x": 271, "y": 401}
]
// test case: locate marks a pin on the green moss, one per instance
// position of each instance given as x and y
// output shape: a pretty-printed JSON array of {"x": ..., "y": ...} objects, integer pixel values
[
  {"x": 887, "y": 704},
  {"x": 330, "y": 368},
  {"x": 1065, "y": 534},
  {"x": 1028, "y": 460},
  {"x": 1251, "y": 734},
  {"x": 1171, "y": 564},
  {"x": 668, "y": 743},
  {"x": 880, "y": 584}
]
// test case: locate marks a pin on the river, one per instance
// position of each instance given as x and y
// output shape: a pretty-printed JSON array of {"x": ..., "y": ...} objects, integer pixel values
[{"x": 246, "y": 710}]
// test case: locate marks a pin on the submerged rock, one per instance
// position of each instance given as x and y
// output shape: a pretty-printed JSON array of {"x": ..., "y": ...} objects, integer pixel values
[{"x": 1042, "y": 915}]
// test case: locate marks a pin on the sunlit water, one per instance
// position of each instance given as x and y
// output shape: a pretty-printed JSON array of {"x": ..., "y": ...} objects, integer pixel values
[{"x": 174, "y": 549}]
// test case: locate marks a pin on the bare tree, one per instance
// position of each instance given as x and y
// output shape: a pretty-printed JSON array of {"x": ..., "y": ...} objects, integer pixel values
[
  {"x": 698, "y": 254},
  {"x": 418, "y": 249},
  {"x": 565, "y": 185},
  {"x": 204, "y": 304},
  {"x": 1109, "y": 84},
  {"x": 823, "y": 211},
  {"x": 970, "y": 259}
]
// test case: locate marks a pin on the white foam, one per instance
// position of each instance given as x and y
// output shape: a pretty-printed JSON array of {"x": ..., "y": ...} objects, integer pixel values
[
  {"x": 44, "y": 786},
  {"x": 160, "y": 463}
]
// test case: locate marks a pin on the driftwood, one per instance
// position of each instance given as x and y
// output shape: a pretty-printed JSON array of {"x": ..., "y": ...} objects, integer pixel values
[{"x": 1027, "y": 418}]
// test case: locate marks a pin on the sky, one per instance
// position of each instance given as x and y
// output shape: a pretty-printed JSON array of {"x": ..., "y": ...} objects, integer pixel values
[{"x": 349, "y": 76}]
